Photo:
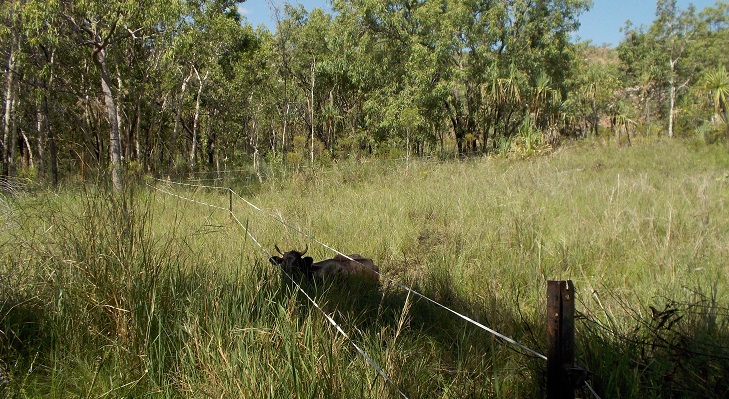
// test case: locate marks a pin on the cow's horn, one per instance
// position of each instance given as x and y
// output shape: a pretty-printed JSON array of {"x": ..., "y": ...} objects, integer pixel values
[
  {"x": 276, "y": 246},
  {"x": 305, "y": 249}
]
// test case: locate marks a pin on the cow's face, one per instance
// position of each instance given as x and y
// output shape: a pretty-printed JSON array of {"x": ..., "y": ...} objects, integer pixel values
[{"x": 294, "y": 262}]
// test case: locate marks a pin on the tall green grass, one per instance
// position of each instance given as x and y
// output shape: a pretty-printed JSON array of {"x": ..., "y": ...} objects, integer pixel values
[{"x": 147, "y": 294}]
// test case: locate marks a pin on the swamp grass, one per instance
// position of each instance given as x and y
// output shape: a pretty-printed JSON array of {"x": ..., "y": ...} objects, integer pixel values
[{"x": 152, "y": 295}]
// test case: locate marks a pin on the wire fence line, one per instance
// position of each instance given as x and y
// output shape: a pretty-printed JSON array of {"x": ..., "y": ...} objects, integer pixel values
[
  {"x": 393, "y": 281},
  {"x": 283, "y": 168},
  {"x": 327, "y": 316},
  {"x": 504, "y": 338}
]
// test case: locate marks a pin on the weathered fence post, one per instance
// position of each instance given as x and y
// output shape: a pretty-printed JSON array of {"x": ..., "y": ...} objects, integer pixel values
[
  {"x": 230, "y": 200},
  {"x": 561, "y": 339}
]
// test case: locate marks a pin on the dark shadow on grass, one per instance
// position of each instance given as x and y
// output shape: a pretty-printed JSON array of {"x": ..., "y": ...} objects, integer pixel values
[
  {"x": 458, "y": 355},
  {"x": 675, "y": 349}
]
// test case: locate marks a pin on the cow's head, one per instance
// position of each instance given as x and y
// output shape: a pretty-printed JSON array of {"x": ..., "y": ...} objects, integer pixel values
[{"x": 294, "y": 262}]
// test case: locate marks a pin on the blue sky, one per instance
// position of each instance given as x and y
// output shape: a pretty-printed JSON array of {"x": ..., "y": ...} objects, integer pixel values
[{"x": 600, "y": 25}]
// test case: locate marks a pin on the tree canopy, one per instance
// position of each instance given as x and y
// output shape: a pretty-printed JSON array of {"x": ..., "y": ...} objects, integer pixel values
[{"x": 176, "y": 86}]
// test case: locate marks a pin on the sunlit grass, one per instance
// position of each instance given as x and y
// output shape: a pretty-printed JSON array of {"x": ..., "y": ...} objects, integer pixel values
[{"x": 161, "y": 296}]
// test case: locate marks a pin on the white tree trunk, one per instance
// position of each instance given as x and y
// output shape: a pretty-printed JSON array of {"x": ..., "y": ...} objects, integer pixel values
[
  {"x": 41, "y": 136},
  {"x": 196, "y": 120},
  {"x": 114, "y": 139},
  {"x": 13, "y": 145},
  {"x": 26, "y": 142},
  {"x": 7, "y": 116},
  {"x": 313, "y": 66},
  {"x": 178, "y": 112},
  {"x": 672, "y": 97},
  {"x": 253, "y": 141}
]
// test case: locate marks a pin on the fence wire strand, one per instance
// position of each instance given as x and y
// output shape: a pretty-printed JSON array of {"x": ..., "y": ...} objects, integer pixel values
[
  {"x": 397, "y": 283},
  {"x": 589, "y": 388},
  {"x": 331, "y": 321}
]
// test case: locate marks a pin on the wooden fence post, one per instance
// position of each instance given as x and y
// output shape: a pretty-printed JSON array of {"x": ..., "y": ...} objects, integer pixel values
[
  {"x": 561, "y": 339},
  {"x": 230, "y": 200}
]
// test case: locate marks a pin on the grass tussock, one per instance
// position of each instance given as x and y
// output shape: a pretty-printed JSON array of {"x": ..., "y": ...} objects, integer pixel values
[{"x": 147, "y": 294}]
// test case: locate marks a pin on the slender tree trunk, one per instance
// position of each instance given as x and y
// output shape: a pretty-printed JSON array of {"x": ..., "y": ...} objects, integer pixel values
[
  {"x": 178, "y": 113},
  {"x": 7, "y": 116},
  {"x": 120, "y": 117},
  {"x": 458, "y": 128},
  {"x": 254, "y": 144},
  {"x": 114, "y": 138},
  {"x": 52, "y": 149},
  {"x": 210, "y": 134},
  {"x": 46, "y": 139},
  {"x": 407, "y": 149},
  {"x": 331, "y": 125},
  {"x": 196, "y": 120},
  {"x": 42, "y": 117},
  {"x": 285, "y": 125},
  {"x": 672, "y": 103},
  {"x": 40, "y": 136},
  {"x": 485, "y": 134},
  {"x": 441, "y": 136},
  {"x": 134, "y": 139},
  {"x": 313, "y": 67},
  {"x": 672, "y": 99},
  {"x": 91, "y": 139},
  {"x": 28, "y": 151},
  {"x": 13, "y": 146},
  {"x": 647, "y": 114}
]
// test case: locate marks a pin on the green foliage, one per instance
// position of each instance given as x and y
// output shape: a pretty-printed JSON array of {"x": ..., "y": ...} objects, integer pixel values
[
  {"x": 195, "y": 88},
  {"x": 715, "y": 82},
  {"x": 675, "y": 55},
  {"x": 711, "y": 133}
]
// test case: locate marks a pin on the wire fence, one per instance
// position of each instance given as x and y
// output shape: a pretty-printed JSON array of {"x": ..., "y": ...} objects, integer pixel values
[
  {"x": 521, "y": 347},
  {"x": 326, "y": 315}
]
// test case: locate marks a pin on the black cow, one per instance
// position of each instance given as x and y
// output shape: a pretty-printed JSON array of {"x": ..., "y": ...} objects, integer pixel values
[{"x": 341, "y": 267}]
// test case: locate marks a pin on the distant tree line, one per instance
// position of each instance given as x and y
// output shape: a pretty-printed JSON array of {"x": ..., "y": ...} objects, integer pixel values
[{"x": 161, "y": 86}]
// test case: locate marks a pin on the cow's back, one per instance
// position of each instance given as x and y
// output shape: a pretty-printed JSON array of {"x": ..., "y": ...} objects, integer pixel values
[{"x": 340, "y": 266}]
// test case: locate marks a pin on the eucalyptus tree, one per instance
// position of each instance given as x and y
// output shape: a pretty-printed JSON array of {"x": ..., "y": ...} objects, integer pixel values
[
  {"x": 341, "y": 81},
  {"x": 639, "y": 69},
  {"x": 405, "y": 50},
  {"x": 33, "y": 37},
  {"x": 464, "y": 60},
  {"x": 104, "y": 26},
  {"x": 711, "y": 60},
  {"x": 346, "y": 77},
  {"x": 713, "y": 35},
  {"x": 37, "y": 55},
  {"x": 668, "y": 58},
  {"x": 323, "y": 75},
  {"x": 594, "y": 87},
  {"x": 10, "y": 12},
  {"x": 235, "y": 91},
  {"x": 672, "y": 31},
  {"x": 534, "y": 43},
  {"x": 303, "y": 57},
  {"x": 210, "y": 39}
]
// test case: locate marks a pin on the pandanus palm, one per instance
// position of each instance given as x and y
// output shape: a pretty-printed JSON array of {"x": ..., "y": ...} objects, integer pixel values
[{"x": 716, "y": 82}]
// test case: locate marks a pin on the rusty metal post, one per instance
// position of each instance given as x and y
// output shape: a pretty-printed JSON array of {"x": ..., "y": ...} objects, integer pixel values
[
  {"x": 561, "y": 339},
  {"x": 230, "y": 200}
]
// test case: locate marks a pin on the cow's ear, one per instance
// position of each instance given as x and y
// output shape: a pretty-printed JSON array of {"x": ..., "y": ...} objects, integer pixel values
[
  {"x": 275, "y": 260},
  {"x": 308, "y": 261}
]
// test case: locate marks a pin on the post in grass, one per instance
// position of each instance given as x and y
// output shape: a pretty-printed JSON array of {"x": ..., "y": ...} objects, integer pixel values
[{"x": 561, "y": 339}]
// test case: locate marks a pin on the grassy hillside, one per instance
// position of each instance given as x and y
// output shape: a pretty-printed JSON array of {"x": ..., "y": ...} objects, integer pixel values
[{"x": 153, "y": 295}]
